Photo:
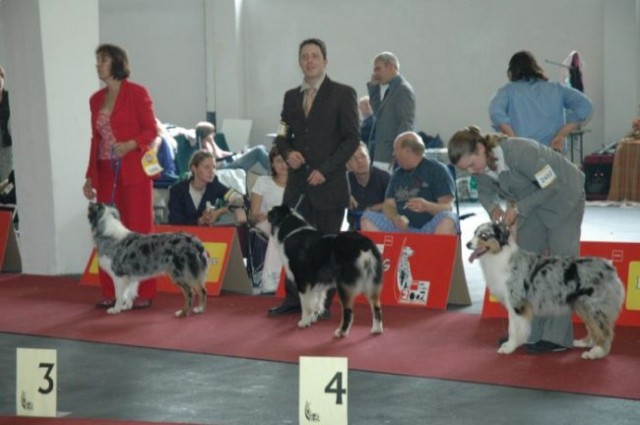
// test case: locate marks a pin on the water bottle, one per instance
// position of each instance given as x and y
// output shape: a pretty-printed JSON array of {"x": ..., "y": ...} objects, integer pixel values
[{"x": 473, "y": 189}]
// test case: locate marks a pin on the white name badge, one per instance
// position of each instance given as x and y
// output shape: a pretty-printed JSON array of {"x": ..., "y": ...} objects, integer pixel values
[
  {"x": 546, "y": 176},
  {"x": 36, "y": 382},
  {"x": 323, "y": 390}
]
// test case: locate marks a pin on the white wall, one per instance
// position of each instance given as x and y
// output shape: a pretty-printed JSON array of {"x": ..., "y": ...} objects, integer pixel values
[{"x": 165, "y": 41}]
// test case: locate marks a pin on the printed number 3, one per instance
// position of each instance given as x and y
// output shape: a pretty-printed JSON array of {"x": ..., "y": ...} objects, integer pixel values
[
  {"x": 47, "y": 377},
  {"x": 335, "y": 387}
]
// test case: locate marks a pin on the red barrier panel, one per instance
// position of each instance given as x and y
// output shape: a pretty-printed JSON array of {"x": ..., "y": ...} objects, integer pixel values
[{"x": 10, "y": 260}]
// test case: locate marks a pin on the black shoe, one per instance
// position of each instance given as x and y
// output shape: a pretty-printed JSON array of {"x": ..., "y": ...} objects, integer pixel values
[
  {"x": 284, "y": 309},
  {"x": 542, "y": 346}
]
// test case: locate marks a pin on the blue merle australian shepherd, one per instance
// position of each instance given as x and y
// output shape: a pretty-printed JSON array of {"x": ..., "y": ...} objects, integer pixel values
[
  {"x": 129, "y": 257},
  {"x": 529, "y": 284},
  {"x": 315, "y": 262}
]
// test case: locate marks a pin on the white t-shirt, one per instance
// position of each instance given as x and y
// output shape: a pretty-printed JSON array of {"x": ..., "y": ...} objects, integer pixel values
[{"x": 270, "y": 192}]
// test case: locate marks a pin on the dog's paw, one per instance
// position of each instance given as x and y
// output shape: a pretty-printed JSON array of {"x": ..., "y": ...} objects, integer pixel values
[
  {"x": 304, "y": 323},
  {"x": 339, "y": 334},
  {"x": 198, "y": 309},
  {"x": 181, "y": 313},
  {"x": 582, "y": 343},
  {"x": 114, "y": 310},
  {"x": 507, "y": 348},
  {"x": 596, "y": 352},
  {"x": 376, "y": 329}
]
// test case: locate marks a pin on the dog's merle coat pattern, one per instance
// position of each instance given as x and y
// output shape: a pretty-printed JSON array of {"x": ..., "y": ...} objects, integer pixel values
[
  {"x": 129, "y": 257},
  {"x": 529, "y": 284},
  {"x": 348, "y": 261}
]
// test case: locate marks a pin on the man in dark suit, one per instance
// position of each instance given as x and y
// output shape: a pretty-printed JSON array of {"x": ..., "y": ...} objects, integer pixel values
[
  {"x": 318, "y": 136},
  {"x": 393, "y": 103}
]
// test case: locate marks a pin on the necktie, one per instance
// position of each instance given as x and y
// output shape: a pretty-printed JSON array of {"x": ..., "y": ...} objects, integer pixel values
[{"x": 308, "y": 101}]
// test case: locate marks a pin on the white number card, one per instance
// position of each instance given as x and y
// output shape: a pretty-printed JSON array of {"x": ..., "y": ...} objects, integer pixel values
[
  {"x": 323, "y": 390},
  {"x": 546, "y": 176},
  {"x": 36, "y": 382}
]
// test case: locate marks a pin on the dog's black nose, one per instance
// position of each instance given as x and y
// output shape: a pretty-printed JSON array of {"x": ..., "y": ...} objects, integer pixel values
[{"x": 469, "y": 244}]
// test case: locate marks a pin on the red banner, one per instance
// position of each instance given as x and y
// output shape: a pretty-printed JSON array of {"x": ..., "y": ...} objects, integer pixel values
[{"x": 626, "y": 259}]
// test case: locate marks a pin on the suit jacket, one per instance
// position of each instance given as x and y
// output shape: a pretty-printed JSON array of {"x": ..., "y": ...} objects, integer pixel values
[
  {"x": 394, "y": 115},
  {"x": 132, "y": 118},
  {"x": 326, "y": 138},
  {"x": 182, "y": 211}
]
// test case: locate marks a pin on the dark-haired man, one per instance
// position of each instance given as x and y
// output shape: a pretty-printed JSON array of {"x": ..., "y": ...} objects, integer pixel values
[{"x": 319, "y": 133}]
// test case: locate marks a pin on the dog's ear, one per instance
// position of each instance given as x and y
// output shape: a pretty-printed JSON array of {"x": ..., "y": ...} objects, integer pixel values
[{"x": 502, "y": 233}]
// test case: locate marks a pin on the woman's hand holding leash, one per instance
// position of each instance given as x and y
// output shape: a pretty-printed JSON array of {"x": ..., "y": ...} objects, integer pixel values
[
  {"x": 122, "y": 148},
  {"x": 88, "y": 190}
]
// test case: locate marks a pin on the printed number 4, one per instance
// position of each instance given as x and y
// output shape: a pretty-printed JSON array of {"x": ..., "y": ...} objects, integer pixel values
[
  {"x": 335, "y": 387},
  {"x": 47, "y": 377}
]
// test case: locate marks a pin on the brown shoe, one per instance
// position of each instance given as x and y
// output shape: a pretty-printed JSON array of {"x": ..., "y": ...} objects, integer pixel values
[
  {"x": 141, "y": 303},
  {"x": 106, "y": 303}
]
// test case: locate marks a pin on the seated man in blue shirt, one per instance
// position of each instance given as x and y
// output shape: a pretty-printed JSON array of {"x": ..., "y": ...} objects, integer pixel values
[
  {"x": 420, "y": 194},
  {"x": 367, "y": 185}
]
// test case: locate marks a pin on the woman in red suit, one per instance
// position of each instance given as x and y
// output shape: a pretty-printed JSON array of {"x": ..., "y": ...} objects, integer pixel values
[{"x": 123, "y": 126}]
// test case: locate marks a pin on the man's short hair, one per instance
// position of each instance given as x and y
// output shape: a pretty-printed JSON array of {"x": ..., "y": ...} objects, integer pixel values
[
  {"x": 388, "y": 58},
  {"x": 317, "y": 42},
  {"x": 412, "y": 141},
  {"x": 204, "y": 129}
]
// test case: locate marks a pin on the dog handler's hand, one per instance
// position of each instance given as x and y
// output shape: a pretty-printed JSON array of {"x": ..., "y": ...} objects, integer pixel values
[
  {"x": 123, "y": 148},
  {"x": 88, "y": 190},
  {"x": 510, "y": 216},
  {"x": 295, "y": 159},
  {"x": 316, "y": 178}
]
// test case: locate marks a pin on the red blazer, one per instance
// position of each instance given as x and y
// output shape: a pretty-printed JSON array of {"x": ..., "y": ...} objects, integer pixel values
[{"x": 132, "y": 118}]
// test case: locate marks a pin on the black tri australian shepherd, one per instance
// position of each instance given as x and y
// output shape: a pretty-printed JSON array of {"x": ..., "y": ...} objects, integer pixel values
[
  {"x": 529, "y": 284},
  {"x": 348, "y": 261},
  {"x": 129, "y": 257}
]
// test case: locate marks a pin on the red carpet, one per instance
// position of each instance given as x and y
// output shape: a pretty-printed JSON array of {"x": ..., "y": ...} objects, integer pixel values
[{"x": 416, "y": 342}]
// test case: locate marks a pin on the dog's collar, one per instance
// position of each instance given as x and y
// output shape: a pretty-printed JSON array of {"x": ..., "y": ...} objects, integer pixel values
[{"x": 299, "y": 229}]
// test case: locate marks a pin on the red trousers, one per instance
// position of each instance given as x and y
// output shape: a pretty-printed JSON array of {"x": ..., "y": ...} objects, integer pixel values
[{"x": 135, "y": 204}]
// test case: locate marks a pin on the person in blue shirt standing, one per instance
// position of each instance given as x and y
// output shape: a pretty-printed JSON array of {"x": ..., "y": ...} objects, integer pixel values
[
  {"x": 531, "y": 106},
  {"x": 420, "y": 195}
]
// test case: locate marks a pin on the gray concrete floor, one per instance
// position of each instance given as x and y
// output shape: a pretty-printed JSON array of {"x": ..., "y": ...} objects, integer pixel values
[{"x": 121, "y": 382}]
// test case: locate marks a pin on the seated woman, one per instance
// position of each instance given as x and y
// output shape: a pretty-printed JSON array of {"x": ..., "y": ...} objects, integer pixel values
[
  {"x": 203, "y": 200},
  {"x": 256, "y": 158},
  {"x": 267, "y": 193}
]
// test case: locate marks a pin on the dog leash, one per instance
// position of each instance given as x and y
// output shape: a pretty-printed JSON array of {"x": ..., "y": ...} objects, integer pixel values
[{"x": 116, "y": 171}]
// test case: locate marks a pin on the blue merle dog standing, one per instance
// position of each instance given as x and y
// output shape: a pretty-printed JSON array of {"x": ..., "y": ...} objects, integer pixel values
[{"x": 129, "y": 257}]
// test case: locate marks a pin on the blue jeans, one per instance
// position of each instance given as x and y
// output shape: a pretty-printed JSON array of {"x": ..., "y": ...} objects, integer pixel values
[{"x": 257, "y": 155}]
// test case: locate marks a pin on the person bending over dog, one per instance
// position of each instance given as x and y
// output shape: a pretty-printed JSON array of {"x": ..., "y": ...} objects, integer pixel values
[
  {"x": 545, "y": 200},
  {"x": 203, "y": 200},
  {"x": 420, "y": 194}
]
